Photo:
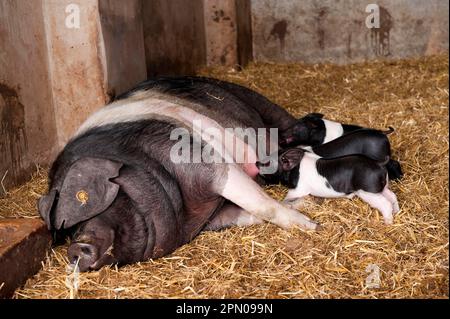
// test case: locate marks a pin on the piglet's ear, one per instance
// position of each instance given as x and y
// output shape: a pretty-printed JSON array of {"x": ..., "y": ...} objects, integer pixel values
[
  {"x": 291, "y": 158},
  {"x": 45, "y": 207},
  {"x": 87, "y": 191},
  {"x": 315, "y": 115}
]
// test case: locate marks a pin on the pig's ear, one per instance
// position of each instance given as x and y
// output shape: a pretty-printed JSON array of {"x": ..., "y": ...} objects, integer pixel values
[
  {"x": 315, "y": 115},
  {"x": 313, "y": 122},
  {"x": 291, "y": 158},
  {"x": 87, "y": 191},
  {"x": 45, "y": 207}
]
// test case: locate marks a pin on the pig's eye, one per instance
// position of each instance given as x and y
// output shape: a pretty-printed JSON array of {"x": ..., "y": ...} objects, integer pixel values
[{"x": 86, "y": 250}]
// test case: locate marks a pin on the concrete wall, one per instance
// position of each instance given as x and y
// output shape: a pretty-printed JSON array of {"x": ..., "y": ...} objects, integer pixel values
[{"x": 328, "y": 30}]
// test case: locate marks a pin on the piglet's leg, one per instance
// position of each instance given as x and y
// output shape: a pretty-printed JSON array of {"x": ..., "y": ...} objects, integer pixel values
[
  {"x": 379, "y": 202},
  {"x": 390, "y": 196},
  {"x": 232, "y": 215},
  {"x": 240, "y": 189},
  {"x": 296, "y": 193}
]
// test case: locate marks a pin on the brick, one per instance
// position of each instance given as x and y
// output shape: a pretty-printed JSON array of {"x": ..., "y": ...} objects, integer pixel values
[{"x": 24, "y": 244}]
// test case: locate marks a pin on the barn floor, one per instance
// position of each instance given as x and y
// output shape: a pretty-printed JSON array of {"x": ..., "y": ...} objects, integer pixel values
[{"x": 267, "y": 262}]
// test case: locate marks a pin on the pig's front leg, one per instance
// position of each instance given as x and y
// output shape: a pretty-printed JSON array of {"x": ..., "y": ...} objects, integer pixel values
[
  {"x": 379, "y": 202},
  {"x": 232, "y": 215},
  {"x": 240, "y": 189}
]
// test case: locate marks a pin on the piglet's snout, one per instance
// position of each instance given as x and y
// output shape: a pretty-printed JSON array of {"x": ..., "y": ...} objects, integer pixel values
[
  {"x": 260, "y": 165},
  {"x": 85, "y": 254}
]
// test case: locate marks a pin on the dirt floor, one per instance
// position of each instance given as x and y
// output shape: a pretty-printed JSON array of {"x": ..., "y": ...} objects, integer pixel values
[{"x": 341, "y": 261}]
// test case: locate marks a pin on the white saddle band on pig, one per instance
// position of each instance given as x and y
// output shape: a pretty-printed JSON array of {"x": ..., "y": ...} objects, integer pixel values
[{"x": 333, "y": 130}]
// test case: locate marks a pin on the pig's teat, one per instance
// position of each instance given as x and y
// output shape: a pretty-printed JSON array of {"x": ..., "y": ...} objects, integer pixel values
[{"x": 251, "y": 170}]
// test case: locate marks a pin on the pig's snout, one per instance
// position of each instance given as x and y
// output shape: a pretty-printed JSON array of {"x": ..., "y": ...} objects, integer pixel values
[
  {"x": 85, "y": 254},
  {"x": 285, "y": 139}
]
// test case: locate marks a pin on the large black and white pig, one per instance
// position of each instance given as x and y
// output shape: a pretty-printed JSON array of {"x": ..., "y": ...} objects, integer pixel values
[{"x": 116, "y": 191}]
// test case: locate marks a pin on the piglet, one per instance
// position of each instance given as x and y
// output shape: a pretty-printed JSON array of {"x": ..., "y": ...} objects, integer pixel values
[
  {"x": 308, "y": 174},
  {"x": 371, "y": 143},
  {"x": 313, "y": 130}
]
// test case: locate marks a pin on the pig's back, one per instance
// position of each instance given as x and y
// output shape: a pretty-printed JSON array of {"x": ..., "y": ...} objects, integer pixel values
[{"x": 203, "y": 95}]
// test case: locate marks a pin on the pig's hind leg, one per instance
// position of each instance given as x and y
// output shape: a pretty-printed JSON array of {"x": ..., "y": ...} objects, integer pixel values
[
  {"x": 394, "y": 170},
  {"x": 232, "y": 215},
  {"x": 240, "y": 189},
  {"x": 378, "y": 201},
  {"x": 391, "y": 197}
]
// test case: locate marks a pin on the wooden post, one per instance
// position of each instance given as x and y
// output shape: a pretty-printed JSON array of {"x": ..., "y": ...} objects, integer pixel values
[
  {"x": 60, "y": 61},
  {"x": 92, "y": 63},
  {"x": 27, "y": 122},
  {"x": 228, "y": 32},
  {"x": 174, "y": 36}
]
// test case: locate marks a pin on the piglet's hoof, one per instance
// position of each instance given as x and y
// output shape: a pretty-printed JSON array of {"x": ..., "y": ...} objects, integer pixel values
[
  {"x": 294, "y": 203},
  {"x": 319, "y": 200},
  {"x": 319, "y": 228}
]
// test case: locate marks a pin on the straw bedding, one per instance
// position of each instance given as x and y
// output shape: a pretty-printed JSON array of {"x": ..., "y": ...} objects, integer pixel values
[{"x": 267, "y": 262}]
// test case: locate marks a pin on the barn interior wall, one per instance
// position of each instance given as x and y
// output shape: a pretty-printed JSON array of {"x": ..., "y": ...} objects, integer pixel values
[
  {"x": 52, "y": 76},
  {"x": 76, "y": 65},
  {"x": 123, "y": 35},
  {"x": 318, "y": 31},
  {"x": 174, "y": 36},
  {"x": 181, "y": 36},
  {"x": 221, "y": 32}
]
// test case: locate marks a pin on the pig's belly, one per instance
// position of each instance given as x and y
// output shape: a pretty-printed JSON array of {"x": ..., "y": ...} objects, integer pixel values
[{"x": 321, "y": 190}]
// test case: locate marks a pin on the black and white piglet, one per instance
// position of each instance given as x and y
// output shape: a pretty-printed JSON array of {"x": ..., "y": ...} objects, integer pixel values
[
  {"x": 313, "y": 130},
  {"x": 308, "y": 174},
  {"x": 373, "y": 144}
]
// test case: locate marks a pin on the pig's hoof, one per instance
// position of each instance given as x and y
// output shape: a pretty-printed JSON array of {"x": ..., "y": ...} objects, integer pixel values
[
  {"x": 396, "y": 209},
  {"x": 319, "y": 200},
  {"x": 297, "y": 203},
  {"x": 319, "y": 227}
]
